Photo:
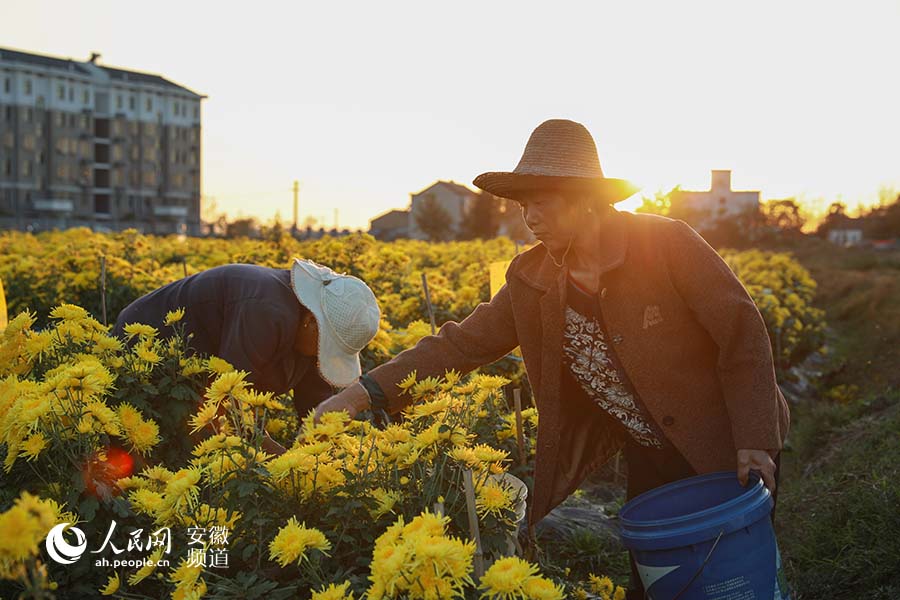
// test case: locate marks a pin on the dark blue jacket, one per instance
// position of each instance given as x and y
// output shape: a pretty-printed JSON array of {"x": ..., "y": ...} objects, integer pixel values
[{"x": 245, "y": 314}]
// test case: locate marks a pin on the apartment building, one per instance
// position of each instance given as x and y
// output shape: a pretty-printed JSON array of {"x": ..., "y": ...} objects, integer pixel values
[{"x": 83, "y": 144}]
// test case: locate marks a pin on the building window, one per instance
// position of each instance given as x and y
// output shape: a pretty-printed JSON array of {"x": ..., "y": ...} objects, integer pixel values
[
  {"x": 61, "y": 91},
  {"x": 130, "y": 102},
  {"x": 86, "y": 96},
  {"x": 27, "y": 87},
  {"x": 60, "y": 119},
  {"x": 6, "y": 85},
  {"x": 26, "y": 168},
  {"x": 119, "y": 103},
  {"x": 149, "y": 104},
  {"x": 84, "y": 121},
  {"x": 29, "y": 115},
  {"x": 9, "y": 113},
  {"x": 8, "y": 168},
  {"x": 71, "y": 94},
  {"x": 196, "y": 112}
]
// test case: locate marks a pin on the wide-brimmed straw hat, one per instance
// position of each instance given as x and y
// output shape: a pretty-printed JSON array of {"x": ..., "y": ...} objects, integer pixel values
[
  {"x": 560, "y": 155},
  {"x": 346, "y": 313}
]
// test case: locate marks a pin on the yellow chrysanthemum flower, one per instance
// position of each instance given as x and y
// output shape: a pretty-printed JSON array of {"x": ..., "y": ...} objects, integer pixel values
[
  {"x": 157, "y": 473},
  {"x": 294, "y": 540},
  {"x": 38, "y": 343},
  {"x": 506, "y": 577},
  {"x": 106, "y": 343},
  {"x": 408, "y": 381},
  {"x": 386, "y": 501},
  {"x": 173, "y": 316},
  {"x": 112, "y": 585},
  {"x": 33, "y": 446},
  {"x": 144, "y": 436},
  {"x": 21, "y": 533},
  {"x": 429, "y": 384},
  {"x": 218, "y": 365},
  {"x": 68, "y": 312},
  {"x": 148, "y": 568},
  {"x": 225, "y": 384},
  {"x": 185, "y": 575},
  {"x": 140, "y": 330},
  {"x": 105, "y": 416},
  {"x": 493, "y": 498},
  {"x": 146, "y": 354},
  {"x": 427, "y": 409},
  {"x": 602, "y": 586},
  {"x": 487, "y": 453},
  {"x": 146, "y": 501},
  {"x": 540, "y": 588},
  {"x": 334, "y": 592},
  {"x": 204, "y": 416},
  {"x": 190, "y": 366}
]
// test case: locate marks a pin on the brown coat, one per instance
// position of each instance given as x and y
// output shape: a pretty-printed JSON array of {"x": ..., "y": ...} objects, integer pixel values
[{"x": 686, "y": 332}]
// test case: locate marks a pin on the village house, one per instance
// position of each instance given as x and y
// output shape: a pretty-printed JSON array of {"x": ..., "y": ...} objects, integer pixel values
[{"x": 704, "y": 209}]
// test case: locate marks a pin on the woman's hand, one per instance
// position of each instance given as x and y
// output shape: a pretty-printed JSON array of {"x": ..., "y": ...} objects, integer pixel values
[
  {"x": 353, "y": 399},
  {"x": 758, "y": 460}
]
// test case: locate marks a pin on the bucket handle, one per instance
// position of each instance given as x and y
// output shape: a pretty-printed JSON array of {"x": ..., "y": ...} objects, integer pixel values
[{"x": 647, "y": 595}]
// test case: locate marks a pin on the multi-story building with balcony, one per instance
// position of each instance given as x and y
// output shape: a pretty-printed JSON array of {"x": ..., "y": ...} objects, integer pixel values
[{"x": 83, "y": 144}]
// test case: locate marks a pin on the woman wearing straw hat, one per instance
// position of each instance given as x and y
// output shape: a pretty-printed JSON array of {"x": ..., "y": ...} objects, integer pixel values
[
  {"x": 297, "y": 330},
  {"x": 635, "y": 335}
]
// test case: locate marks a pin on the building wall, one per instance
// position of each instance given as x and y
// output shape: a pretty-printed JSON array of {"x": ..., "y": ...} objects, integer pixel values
[
  {"x": 452, "y": 201},
  {"x": 719, "y": 202},
  {"x": 78, "y": 146}
]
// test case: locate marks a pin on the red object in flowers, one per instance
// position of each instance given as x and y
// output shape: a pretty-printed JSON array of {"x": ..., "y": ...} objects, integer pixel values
[{"x": 100, "y": 475}]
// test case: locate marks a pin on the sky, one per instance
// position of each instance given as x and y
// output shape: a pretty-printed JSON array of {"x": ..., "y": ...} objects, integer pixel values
[{"x": 367, "y": 102}]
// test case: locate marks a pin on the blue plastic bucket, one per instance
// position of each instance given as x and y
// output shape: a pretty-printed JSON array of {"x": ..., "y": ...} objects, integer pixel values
[{"x": 705, "y": 538}]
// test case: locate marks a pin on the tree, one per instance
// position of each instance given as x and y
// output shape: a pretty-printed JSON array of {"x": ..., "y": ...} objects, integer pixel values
[
  {"x": 883, "y": 221},
  {"x": 245, "y": 227},
  {"x": 837, "y": 215},
  {"x": 659, "y": 204},
  {"x": 433, "y": 220},
  {"x": 481, "y": 221},
  {"x": 274, "y": 233},
  {"x": 783, "y": 215}
]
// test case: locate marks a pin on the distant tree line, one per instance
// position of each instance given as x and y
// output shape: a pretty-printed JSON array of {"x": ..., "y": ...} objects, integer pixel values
[
  {"x": 779, "y": 219},
  {"x": 483, "y": 220}
]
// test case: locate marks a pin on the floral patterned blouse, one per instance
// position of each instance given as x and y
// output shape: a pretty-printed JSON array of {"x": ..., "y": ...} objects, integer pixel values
[{"x": 592, "y": 364}]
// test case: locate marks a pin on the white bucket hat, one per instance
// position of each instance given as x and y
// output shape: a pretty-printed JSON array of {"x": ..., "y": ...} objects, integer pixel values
[{"x": 346, "y": 313}]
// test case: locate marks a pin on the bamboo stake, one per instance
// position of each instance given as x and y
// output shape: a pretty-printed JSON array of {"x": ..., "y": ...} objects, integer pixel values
[
  {"x": 473, "y": 523},
  {"x": 428, "y": 303},
  {"x": 103, "y": 286},
  {"x": 184, "y": 265},
  {"x": 520, "y": 435}
]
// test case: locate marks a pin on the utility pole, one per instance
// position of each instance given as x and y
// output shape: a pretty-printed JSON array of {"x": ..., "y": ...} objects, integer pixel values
[{"x": 296, "y": 195}]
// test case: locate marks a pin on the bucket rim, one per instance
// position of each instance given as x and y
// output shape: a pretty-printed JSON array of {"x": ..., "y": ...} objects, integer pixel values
[{"x": 752, "y": 489}]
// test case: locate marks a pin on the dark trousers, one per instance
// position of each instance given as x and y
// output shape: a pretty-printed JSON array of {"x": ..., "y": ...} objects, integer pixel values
[{"x": 648, "y": 469}]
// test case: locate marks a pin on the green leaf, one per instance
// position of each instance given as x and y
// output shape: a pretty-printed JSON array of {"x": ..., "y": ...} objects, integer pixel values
[
  {"x": 87, "y": 508},
  {"x": 248, "y": 552}
]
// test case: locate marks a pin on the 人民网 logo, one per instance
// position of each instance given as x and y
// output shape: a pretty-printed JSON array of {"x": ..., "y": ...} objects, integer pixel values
[{"x": 60, "y": 550}]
